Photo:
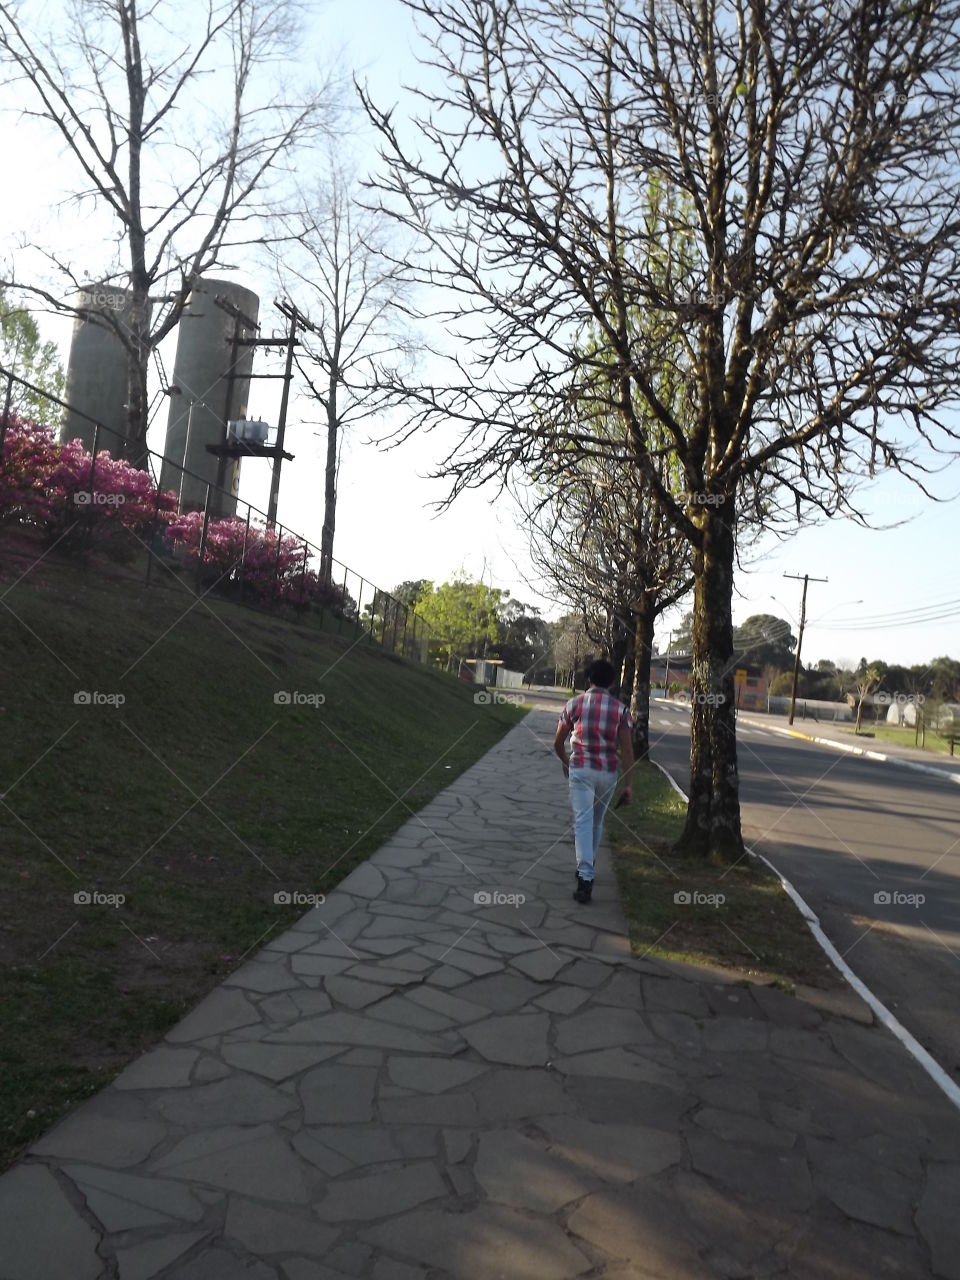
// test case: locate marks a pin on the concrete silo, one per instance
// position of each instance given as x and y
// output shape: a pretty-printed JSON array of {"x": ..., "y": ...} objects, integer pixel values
[
  {"x": 210, "y": 386},
  {"x": 97, "y": 368}
]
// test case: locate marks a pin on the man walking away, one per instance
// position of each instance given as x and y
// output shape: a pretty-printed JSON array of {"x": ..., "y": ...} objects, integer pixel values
[{"x": 596, "y": 723}]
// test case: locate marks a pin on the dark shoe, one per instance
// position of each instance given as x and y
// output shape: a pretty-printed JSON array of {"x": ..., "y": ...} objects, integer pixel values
[{"x": 584, "y": 890}]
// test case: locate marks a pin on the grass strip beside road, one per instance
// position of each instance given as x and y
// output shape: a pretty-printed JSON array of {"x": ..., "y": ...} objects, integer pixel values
[
  {"x": 195, "y": 800},
  {"x": 735, "y": 918}
]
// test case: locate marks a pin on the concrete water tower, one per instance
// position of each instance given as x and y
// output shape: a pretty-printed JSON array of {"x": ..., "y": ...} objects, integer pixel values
[
  {"x": 210, "y": 387},
  {"x": 97, "y": 369}
]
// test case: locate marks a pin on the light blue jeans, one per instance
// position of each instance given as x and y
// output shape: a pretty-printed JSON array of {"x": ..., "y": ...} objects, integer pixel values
[{"x": 591, "y": 791}]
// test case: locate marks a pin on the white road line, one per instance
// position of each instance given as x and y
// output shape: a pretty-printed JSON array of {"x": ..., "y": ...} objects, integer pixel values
[{"x": 882, "y": 1013}]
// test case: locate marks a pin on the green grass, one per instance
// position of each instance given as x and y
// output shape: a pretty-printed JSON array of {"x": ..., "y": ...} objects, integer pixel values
[
  {"x": 197, "y": 799},
  {"x": 755, "y": 930},
  {"x": 906, "y": 737}
]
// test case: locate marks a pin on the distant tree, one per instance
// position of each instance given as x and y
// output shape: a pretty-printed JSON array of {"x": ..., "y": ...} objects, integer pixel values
[
  {"x": 570, "y": 646},
  {"x": 463, "y": 617},
  {"x": 524, "y": 639},
  {"x": 867, "y": 683},
  {"x": 764, "y": 640},
  {"x": 23, "y": 354},
  {"x": 410, "y": 591}
]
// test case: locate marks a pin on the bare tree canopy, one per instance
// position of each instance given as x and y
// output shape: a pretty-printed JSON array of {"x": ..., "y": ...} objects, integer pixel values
[
  {"x": 813, "y": 146},
  {"x": 353, "y": 303},
  {"x": 171, "y": 117}
]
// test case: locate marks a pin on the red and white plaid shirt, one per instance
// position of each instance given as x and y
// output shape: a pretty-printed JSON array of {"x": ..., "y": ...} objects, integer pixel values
[{"x": 595, "y": 718}]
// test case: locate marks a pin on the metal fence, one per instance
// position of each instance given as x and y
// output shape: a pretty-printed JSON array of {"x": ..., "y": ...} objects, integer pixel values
[{"x": 336, "y": 596}]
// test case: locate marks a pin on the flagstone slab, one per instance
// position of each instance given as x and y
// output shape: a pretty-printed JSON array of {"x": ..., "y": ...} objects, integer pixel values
[
  {"x": 146, "y": 1260},
  {"x": 123, "y": 1201},
  {"x": 223, "y": 1010},
  {"x": 754, "y": 1172},
  {"x": 43, "y": 1237},
  {"x": 508, "y": 1094},
  {"x": 101, "y": 1132},
  {"x": 251, "y": 1160},
  {"x": 221, "y": 1102},
  {"x": 353, "y": 1029},
  {"x": 219, "y": 1263},
  {"x": 490, "y": 1241},
  {"x": 338, "y": 1094},
  {"x": 381, "y": 1195},
  {"x": 518, "y": 1039},
  {"x": 613, "y": 1152},
  {"x": 522, "y": 1174},
  {"x": 601, "y": 1028},
  {"x": 441, "y": 1109},
  {"x": 938, "y": 1219},
  {"x": 354, "y": 992},
  {"x": 264, "y": 1230},
  {"x": 161, "y": 1068},
  {"x": 277, "y": 1061},
  {"x": 263, "y": 978},
  {"x": 432, "y": 1075},
  {"x": 359, "y": 1144}
]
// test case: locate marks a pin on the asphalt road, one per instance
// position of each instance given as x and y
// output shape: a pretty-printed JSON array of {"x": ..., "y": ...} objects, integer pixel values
[{"x": 873, "y": 848}]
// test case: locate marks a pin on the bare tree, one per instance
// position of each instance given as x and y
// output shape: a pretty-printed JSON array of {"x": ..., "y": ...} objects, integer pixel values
[
  {"x": 814, "y": 145},
  {"x": 352, "y": 300},
  {"x": 603, "y": 542},
  {"x": 129, "y": 92}
]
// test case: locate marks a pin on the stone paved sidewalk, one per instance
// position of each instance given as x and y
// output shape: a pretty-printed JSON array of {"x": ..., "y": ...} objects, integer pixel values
[{"x": 413, "y": 1083}]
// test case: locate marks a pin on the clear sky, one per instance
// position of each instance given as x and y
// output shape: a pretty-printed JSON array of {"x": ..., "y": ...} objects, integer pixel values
[{"x": 386, "y": 527}]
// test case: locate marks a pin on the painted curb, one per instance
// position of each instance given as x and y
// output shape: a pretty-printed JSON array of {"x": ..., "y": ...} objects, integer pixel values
[
  {"x": 850, "y": 749},
  {"x": 883, "y": 1014}
]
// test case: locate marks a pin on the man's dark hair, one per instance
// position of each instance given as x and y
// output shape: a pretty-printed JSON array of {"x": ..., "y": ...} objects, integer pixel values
[{"x": 601, "y": 673}]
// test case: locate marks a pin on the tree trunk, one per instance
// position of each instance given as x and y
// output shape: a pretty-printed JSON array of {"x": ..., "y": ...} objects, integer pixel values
[
  {"x": 640, "y": 694},
  {"x": 712, "y": 829},
  {"x": 134, "y": 447},
  {"x": 627, "y": 670},
  {"x": 330, "y": 488}
]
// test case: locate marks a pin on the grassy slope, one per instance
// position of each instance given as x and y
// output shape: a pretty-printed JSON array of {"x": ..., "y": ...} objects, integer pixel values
[{"x": 297, "y": 796}]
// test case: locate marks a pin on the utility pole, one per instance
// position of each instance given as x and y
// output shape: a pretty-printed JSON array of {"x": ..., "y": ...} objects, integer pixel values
[
  {"x": 293, "y": 316},
  {"x": 803, "y": 617},
  {"x": 666, "y": 674}
]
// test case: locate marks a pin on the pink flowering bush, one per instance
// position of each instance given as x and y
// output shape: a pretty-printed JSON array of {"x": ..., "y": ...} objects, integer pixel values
[
  {"x": 275, "y": 570},
  {"x": 50, "y": 486}
]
